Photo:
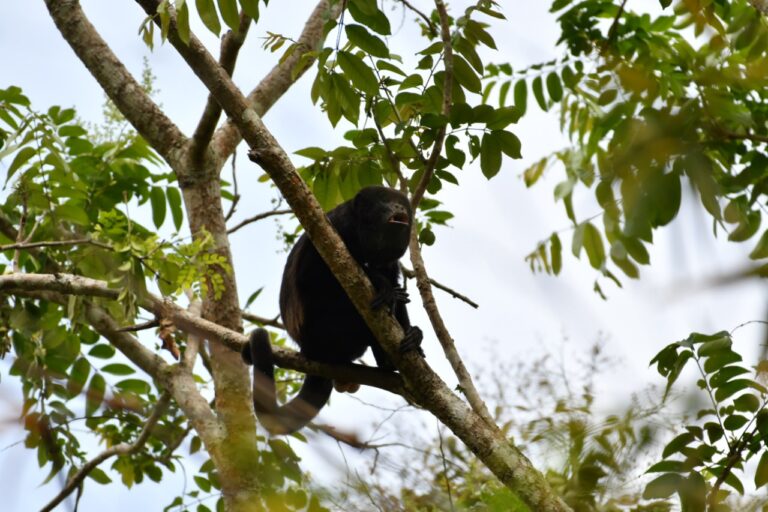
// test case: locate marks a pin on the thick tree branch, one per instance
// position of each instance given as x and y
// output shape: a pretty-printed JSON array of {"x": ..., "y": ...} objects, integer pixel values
[
  {"x": 282, "y": 76},
  {"x": 127, "y": 94},
  {"x": 230, "y": 49},
  {"x": 33, "y": 284},
  {"x": 120, "y": 449}
]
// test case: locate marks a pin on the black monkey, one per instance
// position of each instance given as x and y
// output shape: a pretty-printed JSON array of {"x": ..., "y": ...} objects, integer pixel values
[{"x": 375, "y": 225}]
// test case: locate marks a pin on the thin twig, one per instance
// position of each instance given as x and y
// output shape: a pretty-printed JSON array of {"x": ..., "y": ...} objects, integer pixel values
[
  {"x": 255, "y": 319},
  {"x": 120, "y": 449},
  {"x": 235, "y": 193},
  {"x": 257, "y": 218},
  {"x": 149, "y": 324},
  {"x": 432, "y": 29},
  {"x": 410, "y": 274},
  {"x": 51, "y": 243},
  {"x": 437, "y": 147}
]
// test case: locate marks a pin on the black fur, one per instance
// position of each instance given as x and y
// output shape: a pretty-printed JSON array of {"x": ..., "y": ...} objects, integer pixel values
[{"x": 375, "y": 226}]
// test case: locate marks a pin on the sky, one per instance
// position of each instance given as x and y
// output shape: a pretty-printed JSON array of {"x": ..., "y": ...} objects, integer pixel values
[{"x": 481, "y": 254}]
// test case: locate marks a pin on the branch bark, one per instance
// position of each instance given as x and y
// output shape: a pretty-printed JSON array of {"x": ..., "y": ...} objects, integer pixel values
[
  {"x": 281, "y": 77},
  {"x": 486, "y": 441}
]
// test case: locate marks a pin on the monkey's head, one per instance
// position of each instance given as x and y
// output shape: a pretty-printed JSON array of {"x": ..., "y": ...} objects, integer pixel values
[{"x": 383, "y": 218}]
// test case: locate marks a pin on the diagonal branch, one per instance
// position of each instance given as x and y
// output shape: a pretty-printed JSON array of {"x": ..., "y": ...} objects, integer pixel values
[
  {"x": 282, "y": 76},
  {"x": 230, "y": 49},
  {"x": 121, "y": 449},
  {"x": 121, "y": 87},
  {"x": 256, "y": 218}
]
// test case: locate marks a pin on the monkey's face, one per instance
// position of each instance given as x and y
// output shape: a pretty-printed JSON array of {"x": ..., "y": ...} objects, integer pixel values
[{"x": 383, "y": 224}]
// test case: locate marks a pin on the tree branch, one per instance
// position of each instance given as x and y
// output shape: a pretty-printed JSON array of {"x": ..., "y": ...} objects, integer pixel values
[
  {"x": 255, "y": 319},
  {"x": 410, "y": 274},
  {"x": 113, "y": 77},
  {"x": 282, "y": 76},
  {"x": 257, "y": 218},
  {"x": 230, "y": 49},
  {"x": 120, "y": 449},
  {"x": 437, "y": 147},
  {"x": 53, "y": 243},
  {"x": 32, "y": 284}
]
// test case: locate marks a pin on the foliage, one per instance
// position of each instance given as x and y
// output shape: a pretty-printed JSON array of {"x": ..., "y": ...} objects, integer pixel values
[
  {"x": 706, "y": 456},
  {"x": 652, "y": 101}
]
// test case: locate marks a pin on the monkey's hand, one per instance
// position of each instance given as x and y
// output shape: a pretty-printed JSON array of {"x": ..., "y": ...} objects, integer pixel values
[
  {"x": 412, "y": 341},
  {"x": 390, "y": 296}
]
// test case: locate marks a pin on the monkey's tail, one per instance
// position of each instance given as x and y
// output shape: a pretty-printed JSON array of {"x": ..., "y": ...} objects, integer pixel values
[{"x": 301, "y": 409}]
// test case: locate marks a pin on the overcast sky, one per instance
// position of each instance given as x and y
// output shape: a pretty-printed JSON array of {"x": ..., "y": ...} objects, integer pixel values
[{"x": 481, "y": 255}]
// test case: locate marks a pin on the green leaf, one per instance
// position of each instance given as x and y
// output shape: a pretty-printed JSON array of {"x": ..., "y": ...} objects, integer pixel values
[
  {"x": 665, "y": 3},
  {"x": 137, "y": 386},
  {"x": 72, "y": 213},
  {"x": 20, "y": 159},
  {"x": 761, "y": 473},
  {"x": 182, "y": 22},
  {"x": 490, "y": 155},
  {"x": 118, "y": 369},
  {"x": 78, "y": 376},
  {"x": 502, "y": 117},
  {"x": 538, "y": 93},
  {"x": 102, "y": 351},
  {"x": 556, "y": 253},
  {"x": 360, "y": 37},
  {"x": 593, "y": 244},
  {"x": 747, "y": 403},
  {"x": 98, "y": 475},
  {"x": 229, "y": 13},
  {"x": 509, "y": 142},
  {"x": 677, "y": 444},
  {"x": 662, "y": 487},
  {"x": 174, "y": 201},
  {"x": 666, "y": 466},
  {"x": 734, "y": 422},
  {"x": 251, "y": 8},
  {"x": 358, "y": 72},
  {"x": 207, "y": 11},
  {"x": 521, "y": 96},
  {"x": 368, "y": 13},
  {"x": 554, "y": 87},
  {"x": 157, "y": 198},
  {"x": 761, "y": 249},
  {"x": 465, "y": 75},
  {"x": 95, "y": 394}
]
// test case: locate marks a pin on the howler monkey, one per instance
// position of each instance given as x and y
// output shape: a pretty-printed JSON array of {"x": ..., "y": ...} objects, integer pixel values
[{"x": 375, "y": 225}]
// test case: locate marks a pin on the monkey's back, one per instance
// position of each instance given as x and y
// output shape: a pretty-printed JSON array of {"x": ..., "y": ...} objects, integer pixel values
[{"x": 316, "y": 311}]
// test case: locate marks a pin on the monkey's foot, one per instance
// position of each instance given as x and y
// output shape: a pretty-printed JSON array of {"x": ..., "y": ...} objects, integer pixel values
[
  {"x": 412, "y": 341},
  {"x": 390, "y": 297}
]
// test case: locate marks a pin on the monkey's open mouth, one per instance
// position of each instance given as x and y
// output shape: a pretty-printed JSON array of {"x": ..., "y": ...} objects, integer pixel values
[{"x": 399, "y": 218}]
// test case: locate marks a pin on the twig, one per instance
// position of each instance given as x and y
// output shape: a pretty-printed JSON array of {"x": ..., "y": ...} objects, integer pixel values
[
  {"x": 149, "y": 324},
  {"x": 437, "y": 147},
  {"x": 235, "y": 193},
  {"x": 257, "y": 218},
  {"x": 255, "y": 319},
  {"x": 410, "y": 274},
  {"x": 615, "y": 24},
  {"x": 120, "y": 449},
  {"x": 20, "y": 235},
  {"x": 432, "y": 29},
  {"x": 51, "y": 243}
]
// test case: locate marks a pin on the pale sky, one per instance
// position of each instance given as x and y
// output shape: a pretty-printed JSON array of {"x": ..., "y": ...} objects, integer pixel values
[{"x": 497, "y": 223}]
